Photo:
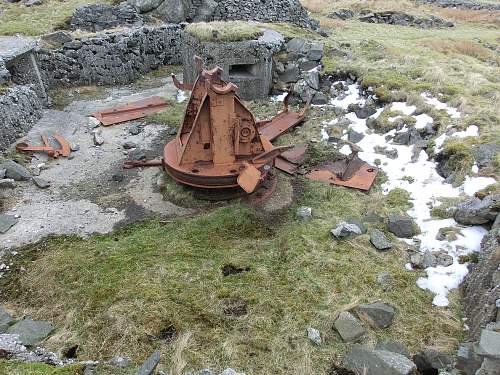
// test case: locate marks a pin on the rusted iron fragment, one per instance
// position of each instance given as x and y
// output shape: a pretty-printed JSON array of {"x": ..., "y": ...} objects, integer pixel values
[
  {"x": 131, "y": 111},
  {"x": 348, "y": 172},
  {"x": 280, "y": 124},
  {"x": 290, "y": 160},
  {"x": 64, "y": 149}
]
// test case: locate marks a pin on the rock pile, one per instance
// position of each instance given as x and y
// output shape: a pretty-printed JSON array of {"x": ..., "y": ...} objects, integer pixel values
[
  {"x": 299, "y": 65},
  {"x": 463, "y": 4},
  {"x": 404, "y": 19},
  {"x": 98, "y": 17}
]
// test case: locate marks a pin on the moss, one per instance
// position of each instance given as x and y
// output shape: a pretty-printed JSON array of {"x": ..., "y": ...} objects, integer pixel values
[
  {"x": 224, "y": 31},
  {"x": 171, "y": 117},
  {"x": 459, "y": 158},
  {"x": 447, "y": 208},
  {"x": 14, "y": 368},
  {"x": 399, "y": 199}
]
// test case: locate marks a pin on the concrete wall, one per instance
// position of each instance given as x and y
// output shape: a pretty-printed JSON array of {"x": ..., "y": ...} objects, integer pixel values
[
  {"x": 111, "y": 58},
  {"x": 247, "y": 64},
  {"x": 20, "y": 108}
]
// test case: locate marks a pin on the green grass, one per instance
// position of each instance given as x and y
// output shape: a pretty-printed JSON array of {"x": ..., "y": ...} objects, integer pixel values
[
  {"x": 37, "y": 20},
  {"x": 13, "y": 368},
  {"x": 224, "y": 31},
  {"x": 115, "y": 294},
  {"x": 172, "y": 116}
]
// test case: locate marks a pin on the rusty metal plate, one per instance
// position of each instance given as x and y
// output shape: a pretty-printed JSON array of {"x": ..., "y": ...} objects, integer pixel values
[
  {"x": 285, "y": 166},
  {"x": 296, "y": 154},
  {"x": 131, "y": 111},
  {"x": 280, "y": 124},
  {"x": 249, "y": 178},
  {"x": 361, "y": 179}
]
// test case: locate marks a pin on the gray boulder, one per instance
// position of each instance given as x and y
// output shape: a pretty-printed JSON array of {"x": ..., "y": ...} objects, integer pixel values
[
  {"x": 313, "y": 79},
  {"x": 476, "y": 211},
  {"x": 7, "y": 222},
  {"x": 56, "y": 39},
  {"x": 144, "y": 6},
  {"x": 393, "y": 347},
  {"x": 297, "y": 45},
  {"x": 467, "y": 360},
  {"x": 319, "y": 98},
  {"x": 430, "y": 360},
  {"x": 290, "y": 74},
  {"x": 315, "y": 51},
  {"x": 303, "y": 212},
  {"x": 173, "y": 11},
  {"x": 4, "y": 73},
  {"x": 30, "y": 331},
  {"x": 377, "y": 315},
  {"x": 485, "y": 153},
  {"x": 10, "y": 345},
  {"x": 401, "y": 225},
  {"x": 5, "y": 320},
  {"x": 349, "y": 328},
  {"x": 314, "y": 335},
  {"x": 365, "y": 111},
  {"x": 345, "y": 229},
  {"x": 41, "y": 183},
  {"x": 384, "y": 279},
  {"x": 354, "y": 136},
  {"x": 379, "y": 240},
  {"x": 489, "y": 344},
  {"x": 378, "y": 362},
  {"x": 149, "y": 365},
  {"x": 205, "y": 10},
  {"x": 15, "y": 171}
]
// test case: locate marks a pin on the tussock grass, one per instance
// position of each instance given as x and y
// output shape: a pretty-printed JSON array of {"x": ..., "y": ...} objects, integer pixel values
[
  {"x": 52, "y": 14},
  {"x": 468, "y": 15},
  {"x": 463, "y": 47},
  {"x": 13, "y": 368},
  {"x": 224, "y": 31},
  {"x": 115, "y": 294}
]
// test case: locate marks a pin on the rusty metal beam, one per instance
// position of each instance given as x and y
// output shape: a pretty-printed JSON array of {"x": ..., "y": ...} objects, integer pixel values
[{"x": 131, "y": 111}]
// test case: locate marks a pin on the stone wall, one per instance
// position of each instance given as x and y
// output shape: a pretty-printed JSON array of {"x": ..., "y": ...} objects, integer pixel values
[
  {"x": 20, "y": 108},
  {"x": 112, "y": 58},
  {"x": 98, "y": 17},
  {"x": 481, "y": 290},
  {"x": 462, "y": 4}
]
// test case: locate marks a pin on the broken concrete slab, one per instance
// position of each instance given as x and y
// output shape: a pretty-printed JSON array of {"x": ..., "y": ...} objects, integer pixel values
[
  {"x": 377, "y": 315},
  {"x": 31, "y": 331},
  {"x": 378, "y": 362},
  {"x": 7, "y": 222},
  {"x": 349, "y": 327}
]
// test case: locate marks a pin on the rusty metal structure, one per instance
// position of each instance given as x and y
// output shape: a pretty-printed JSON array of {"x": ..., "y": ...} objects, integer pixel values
[
  {"x": 219, "y": 144},
  {"x": 130, "y": 111},
  {"x": 63, "y": 150}
]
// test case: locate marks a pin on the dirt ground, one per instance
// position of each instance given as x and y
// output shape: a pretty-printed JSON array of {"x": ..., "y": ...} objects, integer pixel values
[{"x": 89, "y": 191}]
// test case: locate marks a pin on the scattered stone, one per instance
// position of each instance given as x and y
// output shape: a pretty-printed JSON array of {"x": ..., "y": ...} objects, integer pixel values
[
  {"x": 230, "y": 371},
  {"x": 344, "y": 229},
  {"x": 41, "y": 183},
  {"x": 431, "y": 361},
  {"x": 74, "y": 147},
  {"x": 443, "y": 259},
  {"x": 485, "y": 153},
  {"x": 363, "y": 112},
  {"x": 128, "y": 145},
  {"x": 10, "y": 345},
  {"x": 354, "y": 136},
  {"x": 98, "y": 137},
  {"x": 120, "y": 362},
  {"x": 489, "y": 344},
  {"x": 319, "y": 99},
  {"x": 314, "y": 335},
  {"x": 201, "y": 372},
  {"x": 316, "y": 51},
  {"x": 149, "y": 365},
  {"x": 93, "y": 122},
  {"x": 383, "y": 150},
  {"x": 401, "y": 225},
  {"x": 7, "y": 183},
  {"x": 393, "y": 347},
  {"x": 118, "y": 177},
  {"x": 30, "y": 331},
  {"x": 377, "y": 315},
  {"x": 312, "y": 79},
  {"x": 447, "y": 234},
  {"x": 349, "y": 328},
  {"x": 384, "y": 279},
  {"x": 467, "y": 360},
  {"x": 15, "y": 171},
  {"x": 403, "y": 19},
  {"x": 172, "y": 131},
  {"x": 430, "y": 259},
  {"x": 379, "y": 362},
  {"x": 475, "y": 211},
  {"x": 379, "y": 240},
  {"x": 56, "y": 39},
  {"x": 5, "y": 320},
  {"x": 304, "y": 212},
  {"x": 290, "y": 74},
  {"x": 137, "y": 154},
  {"x": 30, "y": 3},
  {"x": 7, "y": 222},
  {"x": 343, "y": 14},
  {"x": 134, "y": 130},
  {"x": 2, "y": 173}
]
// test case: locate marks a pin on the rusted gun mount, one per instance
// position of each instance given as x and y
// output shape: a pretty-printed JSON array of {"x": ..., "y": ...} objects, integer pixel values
[{"x": 64, "y": 150}]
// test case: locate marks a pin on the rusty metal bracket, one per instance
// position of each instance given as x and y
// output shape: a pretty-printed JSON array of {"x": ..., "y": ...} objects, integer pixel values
[
  {"x": 131, "y": 111},
  {"x": 181, "y": 86},
  {"x": 129, "y": 164},
  {"x": 64, "y": 150}
]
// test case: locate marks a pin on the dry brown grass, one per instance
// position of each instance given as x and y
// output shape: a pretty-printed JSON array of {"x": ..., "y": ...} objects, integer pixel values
[
  {"x": 330, "y": 23},
  {"x": 463, "y": 15},
  {"x": 325, "y": 6},
  {"x": 463, "y": 47}
]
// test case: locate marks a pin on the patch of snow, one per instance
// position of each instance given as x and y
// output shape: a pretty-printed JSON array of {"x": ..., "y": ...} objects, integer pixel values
[
  {"x": 429, "y": 99},
  {"x": 425, "y": 188},
  {"x": 423, "y": 120},
  {"x": 279, "y": 98},
  {"x": 326, "y": 125},
  {"x": 392, "y": 119},
  {"x": 346, "y": 150},
  {"x": 475, "y": 169},
  {"x": 181, "y": 96},
  {"x": 403, "y": 107},
  {"x": 352, "y": 97},
  {"x": 472, "y": 185}
]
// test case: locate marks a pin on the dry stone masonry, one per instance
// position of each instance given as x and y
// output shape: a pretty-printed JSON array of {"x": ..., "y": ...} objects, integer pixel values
[{"x": 98, "y": 17}]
